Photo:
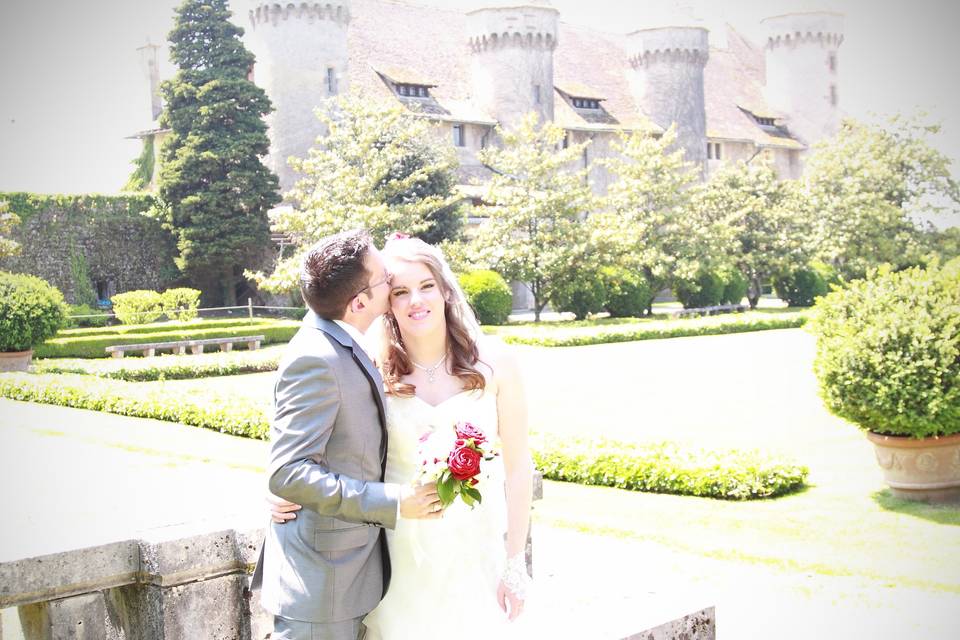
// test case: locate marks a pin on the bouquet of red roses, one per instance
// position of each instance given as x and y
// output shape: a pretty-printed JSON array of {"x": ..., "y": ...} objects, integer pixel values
[{"x": 453, "y": 459}]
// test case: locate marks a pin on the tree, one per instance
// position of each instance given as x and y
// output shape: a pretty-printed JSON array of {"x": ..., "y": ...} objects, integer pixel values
[
  {"x": 8, "y": 220},
  {"x": 757, "y": 221},
  {"x": 216, "y": 189},
  {"x": 866, "y": 188},
  {"x": 379, "y": 167},
  {"x": 648, "y": 227},
  {"x": 536, "y": 231}
]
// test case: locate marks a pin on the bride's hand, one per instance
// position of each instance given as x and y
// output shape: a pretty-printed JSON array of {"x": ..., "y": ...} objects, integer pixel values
[
  {"x": 510, "y": 603},
  {"x": 280, "y": 509}
]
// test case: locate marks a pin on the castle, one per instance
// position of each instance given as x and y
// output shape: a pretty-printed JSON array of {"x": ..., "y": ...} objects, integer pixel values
[{"x": 472, "y": 71}]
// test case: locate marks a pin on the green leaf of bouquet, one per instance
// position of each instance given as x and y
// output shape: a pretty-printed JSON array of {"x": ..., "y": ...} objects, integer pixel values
[
  {"x": 445, "y": 491},
  {"x": 473, "y": 493}
]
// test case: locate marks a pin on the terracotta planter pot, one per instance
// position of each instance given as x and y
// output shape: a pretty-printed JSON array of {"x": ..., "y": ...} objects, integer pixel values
[
  {"x": 927, "y": 470},
  {"x": 15, "y": 360}
]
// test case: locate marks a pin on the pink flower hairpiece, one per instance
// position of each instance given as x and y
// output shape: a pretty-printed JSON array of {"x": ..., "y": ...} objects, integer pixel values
[{"x": 397, "y": 235}]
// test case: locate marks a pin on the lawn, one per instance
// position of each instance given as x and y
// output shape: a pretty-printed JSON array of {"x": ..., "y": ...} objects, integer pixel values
[
  {"x": 740, "y": 391},
  {"x": 752, "y": 390}
]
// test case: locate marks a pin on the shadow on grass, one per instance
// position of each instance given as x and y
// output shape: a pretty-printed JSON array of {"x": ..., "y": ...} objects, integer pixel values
[{"x": 939, "y": 513}]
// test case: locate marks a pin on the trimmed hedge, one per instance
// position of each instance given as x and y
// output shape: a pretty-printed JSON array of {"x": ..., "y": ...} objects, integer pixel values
[
  {"x": 489, "y": 295},
  {"x": 628, "y": 294},
  {"x": 93, "y": 346},
  {"x": 31, "y": 310},
  {"x": 162, "y": 327},
  {"x": 661, "y": 468},
  {"x": 801, "y": 288},
  {"x": 137, "y": 307},
  {"x": 167, "y": 367},
  {"x": 888, "y": 351},
  {"x": 664, "y": 468},
  {"x": 545, "y": 336},
  {"x": 122, "y": 398},
  {"x": 706, "y": 290},
  {"x": 180, "y": 303}
]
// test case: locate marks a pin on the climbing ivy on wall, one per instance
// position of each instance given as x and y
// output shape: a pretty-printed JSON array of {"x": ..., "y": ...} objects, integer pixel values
[
  {"x": 75, "y": 241},
  {"x": 139, "y": 180}
]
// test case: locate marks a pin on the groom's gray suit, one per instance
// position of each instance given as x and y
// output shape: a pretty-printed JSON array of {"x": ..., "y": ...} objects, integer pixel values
[{"x": 328, "y": 453}]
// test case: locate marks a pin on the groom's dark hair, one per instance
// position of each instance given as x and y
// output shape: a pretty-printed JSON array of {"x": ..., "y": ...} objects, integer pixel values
[{"x": 333, "y": 272}]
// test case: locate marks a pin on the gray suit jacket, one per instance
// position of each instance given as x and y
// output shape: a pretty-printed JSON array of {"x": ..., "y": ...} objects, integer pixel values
[{"x": 327, "y": 452}]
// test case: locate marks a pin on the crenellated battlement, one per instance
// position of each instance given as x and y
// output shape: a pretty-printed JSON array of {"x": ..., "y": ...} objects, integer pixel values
[
  {"x": 516, "y": 39},
  {"x": 803, "y": 28},
  {"x": 688, "y": 45},
  {"x": 272, "y": 13},
  {"x": 528, "y": 27}
]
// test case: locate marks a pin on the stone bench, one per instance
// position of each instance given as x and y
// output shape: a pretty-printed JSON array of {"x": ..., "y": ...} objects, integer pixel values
[
  {"x": 180, "y": 347},
  {"x": 709, "y": 311}
]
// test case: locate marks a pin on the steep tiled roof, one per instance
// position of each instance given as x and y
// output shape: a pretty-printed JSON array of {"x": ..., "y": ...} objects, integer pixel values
[{"x": 428, "y": 45}]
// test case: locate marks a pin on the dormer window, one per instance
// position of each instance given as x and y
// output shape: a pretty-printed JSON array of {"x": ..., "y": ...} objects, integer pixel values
[
  {"x": 767, "y": 122},
  {"x": 586, "y": 103},
  {"x": 413, "y": 90}
]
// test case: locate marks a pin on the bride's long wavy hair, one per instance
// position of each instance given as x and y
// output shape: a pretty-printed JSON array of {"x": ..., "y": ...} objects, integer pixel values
[{"x": 463, "y": 330}]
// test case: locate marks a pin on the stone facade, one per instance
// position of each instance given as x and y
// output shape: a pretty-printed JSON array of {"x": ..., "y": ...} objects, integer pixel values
[
  {"x": 471, "y": 71},
  {"x": 121, "y": 248}
]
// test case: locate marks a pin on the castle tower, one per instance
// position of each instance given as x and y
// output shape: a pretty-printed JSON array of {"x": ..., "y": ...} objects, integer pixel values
[
  {"x": 301, "y": 60},
  {"x": 669, "y": 64},
  {"x": 512, "y": 60},
  {"x": 148, "y": 62},
  {"x": 801, "y": 59}
]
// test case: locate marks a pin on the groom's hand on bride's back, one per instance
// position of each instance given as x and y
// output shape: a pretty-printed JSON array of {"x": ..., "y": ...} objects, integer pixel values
[
  {"x": 280, "y": 509},
  {"x": 420, "y": 501}
]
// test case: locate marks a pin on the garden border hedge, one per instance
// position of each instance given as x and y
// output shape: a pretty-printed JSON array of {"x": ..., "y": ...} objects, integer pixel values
[{"x": 658, "y": 468}]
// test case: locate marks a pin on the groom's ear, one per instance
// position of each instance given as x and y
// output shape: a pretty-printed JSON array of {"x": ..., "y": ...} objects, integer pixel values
[{"x": 356, "y": 304}]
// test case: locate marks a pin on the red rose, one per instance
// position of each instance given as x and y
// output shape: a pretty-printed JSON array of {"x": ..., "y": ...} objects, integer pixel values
[
  {"x": 467, "y": 431},
  {"x": 464, "y": 463}
]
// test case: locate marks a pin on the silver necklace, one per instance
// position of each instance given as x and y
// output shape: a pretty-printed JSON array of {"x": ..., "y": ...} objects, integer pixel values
[{"x": 431, "y": 371}]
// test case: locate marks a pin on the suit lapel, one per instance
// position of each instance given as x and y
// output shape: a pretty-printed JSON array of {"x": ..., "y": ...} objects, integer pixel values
[{"x": 336, "y": 332}]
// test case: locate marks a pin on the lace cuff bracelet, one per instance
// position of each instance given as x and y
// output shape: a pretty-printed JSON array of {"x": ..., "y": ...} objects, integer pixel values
[{"x": 515, "y": 576}]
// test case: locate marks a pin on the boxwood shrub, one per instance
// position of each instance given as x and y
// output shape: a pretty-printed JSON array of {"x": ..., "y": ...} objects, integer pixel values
[
  {"x": 665, "y": 468},
  {"x": 888, "y": 351},
  {"x": 706, "y": 290},
  {"x": 489, "y": 295},
  {"x": 801, "y": 288},
  {"x": 628, "y": 294},
  {"x": 137, "y": 307},
  {"x": 162, "y": 327},
  {"x": 31, "y": 310},
  {"x": 180, "y": 303}
]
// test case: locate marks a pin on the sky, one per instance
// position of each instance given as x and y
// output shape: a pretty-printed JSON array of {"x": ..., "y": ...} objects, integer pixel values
[{"x": 73, "y": 89}]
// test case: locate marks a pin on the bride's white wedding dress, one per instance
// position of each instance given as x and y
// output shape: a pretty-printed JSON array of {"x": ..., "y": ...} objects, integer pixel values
[{"x": 445, "y": 571}]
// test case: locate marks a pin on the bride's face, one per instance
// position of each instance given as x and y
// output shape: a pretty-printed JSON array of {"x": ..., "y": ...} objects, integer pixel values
[{"x": 416, "y": 298}]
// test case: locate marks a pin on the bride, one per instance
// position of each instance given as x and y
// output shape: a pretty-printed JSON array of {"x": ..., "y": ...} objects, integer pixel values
[{"x": 467, "y": 568}]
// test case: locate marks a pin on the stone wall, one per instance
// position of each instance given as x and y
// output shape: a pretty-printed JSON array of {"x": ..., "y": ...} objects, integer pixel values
[{"x": 123, "y": 248}]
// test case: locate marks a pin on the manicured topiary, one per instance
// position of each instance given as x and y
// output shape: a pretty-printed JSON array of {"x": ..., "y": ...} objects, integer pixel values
[
  {"x": 581, "y": 296},
  {"x": 137, "y": 307},
  {"x": 628, "y": 294},
  {"x": 90, "y": 317},
  {"x": 734, "y": 287},
  {"x": 181, "y": 303},
  {"x": 489, "y": 295},
  {"x": 888, "y": 351},
  {"x": 705, "y": 290},
  {"x": 801, "y": 288},
  {"x": 31, "y": 311}
]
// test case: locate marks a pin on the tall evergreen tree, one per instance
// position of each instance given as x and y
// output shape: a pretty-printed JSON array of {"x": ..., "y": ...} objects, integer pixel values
[{"x": 217, "y": 190}]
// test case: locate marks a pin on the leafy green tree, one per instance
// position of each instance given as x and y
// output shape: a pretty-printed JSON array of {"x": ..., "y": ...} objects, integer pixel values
[
  {"x": 646, "y": 224},
  {"x": 8, "y": 220},
  {"x": 757, "y": 220},
  {"x": 216, "y": 189},
  {"x": 379, "y": 167},
  {"x": 868, "y": 185},
  {"x": 537, "y": 231}
]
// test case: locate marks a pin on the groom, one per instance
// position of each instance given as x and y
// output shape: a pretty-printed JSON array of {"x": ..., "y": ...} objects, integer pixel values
[{"x": 323, "y": 572}]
